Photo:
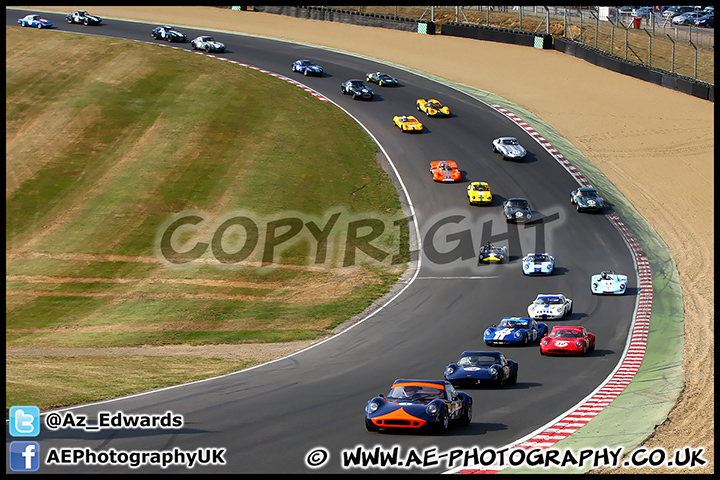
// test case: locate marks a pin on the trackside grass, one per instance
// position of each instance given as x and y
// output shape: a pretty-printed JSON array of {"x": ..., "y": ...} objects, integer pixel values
[{"x": 106, "y": 140}]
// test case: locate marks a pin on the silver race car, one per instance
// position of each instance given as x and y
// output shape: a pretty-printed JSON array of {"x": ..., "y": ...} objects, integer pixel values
[
  {"x": 207, "y": 43},
  {"x": 509, "y": 147}
]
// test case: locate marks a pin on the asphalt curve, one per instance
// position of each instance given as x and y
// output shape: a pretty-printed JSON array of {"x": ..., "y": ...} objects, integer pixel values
[{"x": 271, "y": 418}]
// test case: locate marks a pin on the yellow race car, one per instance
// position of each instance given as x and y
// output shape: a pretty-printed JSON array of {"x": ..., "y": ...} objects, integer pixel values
[
  {"x": 479, "y": 193},
  {"x": 408, "y": 123},
  {"x": 432, "y": 107}
]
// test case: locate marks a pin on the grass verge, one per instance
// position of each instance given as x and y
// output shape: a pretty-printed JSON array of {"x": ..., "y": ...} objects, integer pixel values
[{"x": 109, "y": 140}]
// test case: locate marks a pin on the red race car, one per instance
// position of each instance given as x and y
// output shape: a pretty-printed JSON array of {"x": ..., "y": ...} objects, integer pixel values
[
  {"x": 445, "y": 171},
  {"x": 567, "y": 341}
]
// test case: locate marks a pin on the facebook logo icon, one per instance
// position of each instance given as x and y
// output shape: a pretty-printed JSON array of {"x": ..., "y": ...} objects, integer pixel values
[
  {"x": 24, "y": 421},
  {"x": 24, "y": 456}
]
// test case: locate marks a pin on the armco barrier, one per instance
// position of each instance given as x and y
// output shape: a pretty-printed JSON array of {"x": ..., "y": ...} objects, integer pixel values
[
  {"x": 663, "y": 78},
  {"x": 495, "y": 34},
  {"x": 351, "y": 16}
]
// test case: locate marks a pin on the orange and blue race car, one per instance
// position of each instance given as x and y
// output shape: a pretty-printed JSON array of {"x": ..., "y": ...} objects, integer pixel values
[
  {"x": 418, "y": 404},
  {"x": 567, "y": 340},
  {"x": 445, "y": 171},
  {"x": 432, "y": 107},
  {"x": 408, "y": 123},
  {"x": 479, "y": 193}
]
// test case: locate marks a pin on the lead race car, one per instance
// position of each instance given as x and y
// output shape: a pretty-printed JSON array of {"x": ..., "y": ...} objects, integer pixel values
[
  {"x": 482, "y": 368},
  {"x": 515, "y": 331},
  {"x": 538, "y": 264},
  {"x": 566, "y": 340},
  {"x": 418, "y": 404},
  {"x": 382, "y": 79},
  {"x": 608, "y": 282},
  {"x": 550, "y": 306}
]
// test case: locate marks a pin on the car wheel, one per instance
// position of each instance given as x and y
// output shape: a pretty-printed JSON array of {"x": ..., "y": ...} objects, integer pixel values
[
  {"x": 39, "y": 25},
  {"x": 305, "y": 72},
  {"x": 444, "y": 421},
  {"x": 513, "y": 379},
  {"x": 467, "y": 415},
  {"x": 86, "y": 22},
  {"x": 69, "y": 20},
  {"x": 525, "y": 339},
  {"x": 370, "y": 427}
]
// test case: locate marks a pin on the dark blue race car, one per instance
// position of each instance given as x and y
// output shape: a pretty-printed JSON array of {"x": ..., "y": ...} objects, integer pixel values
[
  {"x": 482, "y": 368},
  {"x": 307, "y": 67},
  {"x": 515, "y": 331},
  {"x": 418, "y": 404}
]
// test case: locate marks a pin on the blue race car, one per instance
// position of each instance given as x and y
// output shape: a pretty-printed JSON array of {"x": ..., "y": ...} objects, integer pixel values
[
  {"x": 418, "y": 404},
  {"x": 34, "y": 21},
  {"x": 608, "y": 282},
  {"x": 307, "y": 67},
  {"x": 482, "y": 368},
  {"x": 515, "y": 331}
]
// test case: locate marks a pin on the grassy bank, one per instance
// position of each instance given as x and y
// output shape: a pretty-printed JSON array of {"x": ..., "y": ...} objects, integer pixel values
[{"x": 106, "y": 140}]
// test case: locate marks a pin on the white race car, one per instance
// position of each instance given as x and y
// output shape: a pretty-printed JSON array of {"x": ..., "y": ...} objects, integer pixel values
[
  {"x": 207, "y": 43},
  {"x": 509, "y": 147},
  {"x": 550, "y": 305},
  {"x": 608, "y": 282},
  {"x": 538, "y": 264}
]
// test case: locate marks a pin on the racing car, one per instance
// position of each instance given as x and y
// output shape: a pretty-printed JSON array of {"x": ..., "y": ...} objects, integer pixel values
[
  {"x": 418, "y": 404},
  {"x": 445, "y": 171},
  {"x": 608, "y": 282},
  {"x": 515, "y": 331},
  {"x": 490, "y": 253},
  {"x": 538, "y": 264},
  {"x": 307, "y": 67},
  {"x": 565, "y": 340},
  {"x": 509, "y": 147},
  {"x": 166, "y": 32},
  {"x": 553, "y": 306},
  {"x": 81, "y": 16},
  {"x": 408, "y": 123},
  {"x": 482, "y": 368},
  {"x": 479, "y": 193},
  {"x": 517, "y": 210},
  {"x": 586, "y": 199},
  {"x": 382, "y": 79},
  {"x": 207, "y": 43},
  {"x": 357, "y": 89},
  {"x": 35, "y": 21},
  {"x": 432, "y": 107}
]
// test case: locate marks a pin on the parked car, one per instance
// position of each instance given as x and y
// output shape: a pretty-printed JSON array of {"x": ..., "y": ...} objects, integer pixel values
[
  {"x": 686, "y": 18},
  {"x": 707, "y": 21}
]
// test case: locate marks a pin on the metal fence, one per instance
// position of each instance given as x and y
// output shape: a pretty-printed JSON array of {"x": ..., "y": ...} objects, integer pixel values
[{"x": 651, "y": 40}]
